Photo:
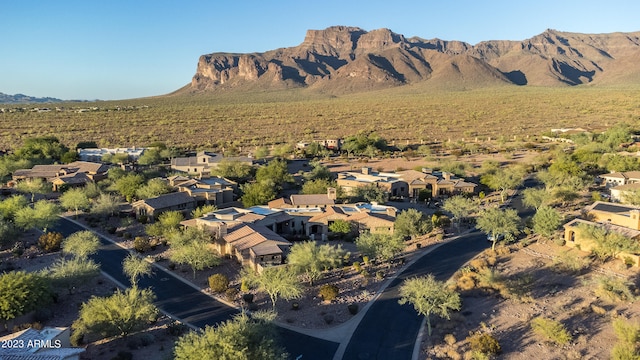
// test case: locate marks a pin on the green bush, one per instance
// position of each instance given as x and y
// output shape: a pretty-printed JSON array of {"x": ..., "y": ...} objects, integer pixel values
[
  {"x": 328, "y": 292},
  {"x": 231, "y": 294},
  {"x": 484, "y": 343},
  {"x": 218, "y": 283},
  {"x": 22, "y": 292},
  {"x": 613, "y": 289},
  {"x": 76, "y": 338},
  {"x": 551, "y": 330},
  {"x": 141, "y": 243},
  {"x": 50, "y": 241}
]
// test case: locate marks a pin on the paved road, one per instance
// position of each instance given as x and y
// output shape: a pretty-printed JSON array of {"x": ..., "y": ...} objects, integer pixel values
[
  {"x": 189, "y": 304},
  {"x": 389, "y": 330}
]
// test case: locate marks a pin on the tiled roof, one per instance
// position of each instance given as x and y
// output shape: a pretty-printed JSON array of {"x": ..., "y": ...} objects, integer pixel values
[
  {"x": 248, "y": 236},
  {"x": 314, "y": 199},
  {"x": 622, "y": 230},
  {"x": 627, "y": 187},
  {"x": 167, "y": 200},
  {"x": 330, "y": 211},
  {"x": 277, "y": 203}
]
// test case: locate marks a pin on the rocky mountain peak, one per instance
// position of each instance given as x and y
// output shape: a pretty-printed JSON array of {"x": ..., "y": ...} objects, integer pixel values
[{"x": 350, "y": 59}]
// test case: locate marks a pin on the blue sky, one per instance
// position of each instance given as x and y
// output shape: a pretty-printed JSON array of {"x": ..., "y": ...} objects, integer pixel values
[{"x": 118, "y": 49}]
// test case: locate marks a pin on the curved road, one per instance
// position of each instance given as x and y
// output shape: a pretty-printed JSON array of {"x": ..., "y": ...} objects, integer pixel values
[
  {"x": 389, "y": 330},
  {"x": 188, "y": 304}
]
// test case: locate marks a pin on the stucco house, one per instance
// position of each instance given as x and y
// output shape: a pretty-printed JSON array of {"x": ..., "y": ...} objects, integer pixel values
[
  {"x": 618, "y": 193},
  {"x": 153, "y": 207},
  {"x": 219, "y": 222},
  {"x": 203, "y": 162},
  {"x": 618, "y": 218},
  {"x": 255, "y": 246},
  {"x": 614, "y": 179},
  {"x": 390, "y": 182},
  {"x": 213, "y": 190},
  {"x": 77, "y": 173},
  {"x": 305, "y": 200},
  {"x": 96, "y": 154}
]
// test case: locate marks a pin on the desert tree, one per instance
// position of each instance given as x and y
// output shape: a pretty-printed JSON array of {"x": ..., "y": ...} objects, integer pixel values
[
  {"x": 317, "y": 172},
  {"x": 22, "y": 292},
  {"x": 42, "y": 215},
  {"x": 370, "y": 193},
  {"x": 310, "y": 259},
  {"x": 135, "y": 267},
  {"x": 128, "y": 185},
  {"x": 503, "y": 180},
  {"x": 70, "y": 273},
  {"x": 546, "y": 221},
  {"x": 81, "y": 244},
  {"x": 383, "y": 247},
  {"x": 277, "y": 282},
  {"x": 120, "y": 314},
  {"x": 429, "y": 296},
  {"x": 234, "y": 170},
  {"x": 242, "y": 337},
  {"x": 192, "y": 247},
  {"x": 536, "y": 197},
  {"x": 105, "y": 205},
  {"x": 258, "y": 193},
  {"x": 153, "y": 188},
  {"x": 75, "y": 199},
  {"x": 411, "y": 223},
  {"x": 460, "y": 207},
  {"x": 200, "y": 211},
  {"x": 10, "y": 206},
  {"x": 341, "y": 227},
  {"x": 497, "y": 222},
  {"x": 607, "y": 244},
  {"x": 33, "y": 187}
]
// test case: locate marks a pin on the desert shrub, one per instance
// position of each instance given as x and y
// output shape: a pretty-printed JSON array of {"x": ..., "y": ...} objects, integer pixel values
[
  {"x": 570, "y": 262},
  {"x": 484, "y": 343},
  {"x": 450, "y": 339},
  {"x": 598, "y": 310},
  {"x": 328, "y": 292},
  {"x": 231, "y": 293},
  {"x": 466, "y": 282},
  {"x": 613, "y": 289},
  {"x": 143, "y": 219},
  {"x": 218, "y": 283},
  {"x": 628, "y": 345},
  {"x": 356, "y": 266},
  {"x": 141, "y": 243},
  {"x": 50, "y": 241},
  {"x": 551, "y": 330},
  {"x": 478, "y": 264},
  {"x": 176, "y": 328},
  {"x": 625, "y": 351}
]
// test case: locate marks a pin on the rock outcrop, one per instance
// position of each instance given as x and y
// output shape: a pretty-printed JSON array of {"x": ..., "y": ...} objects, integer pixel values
[{"x": 347, "y": 59}]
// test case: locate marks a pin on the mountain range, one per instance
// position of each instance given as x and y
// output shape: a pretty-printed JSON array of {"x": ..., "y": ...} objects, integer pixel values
[
  {"x": 25, "y": 99},
  {"x": 343, "y": 59}
]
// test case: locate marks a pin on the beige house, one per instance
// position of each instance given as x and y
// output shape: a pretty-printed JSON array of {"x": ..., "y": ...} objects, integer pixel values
[
  {"x": 618, "y": 193},
  {"x": 213, "y": 190},
  {"x": 219, "y": 222},
  {"x": 203, "y": 162},
  {"x": 298, "y": 201},
  {"x": 254, "y": 245},
  {"x": 406, "y": 183},
  {"x": 362, "y": 216},
  {"x": 620, "y": 178},
  {"x": 77, "y": 173},
  {"x": 177, "y": 201},
  {"x": 622, "y": 219}
]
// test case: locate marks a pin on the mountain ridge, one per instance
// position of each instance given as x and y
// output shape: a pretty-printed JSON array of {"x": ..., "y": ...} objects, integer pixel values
[
  {"x": 25, "y": 99},
  {"x": 342, "y": 59}
]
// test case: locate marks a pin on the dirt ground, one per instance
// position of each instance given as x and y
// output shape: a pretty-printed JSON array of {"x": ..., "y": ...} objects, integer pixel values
[{"x": 569, "y": 299}]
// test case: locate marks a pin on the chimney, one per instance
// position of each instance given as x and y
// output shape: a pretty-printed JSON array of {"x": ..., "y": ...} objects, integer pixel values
[
  {"x": 222, "y": 230},
  {"x": 446, "y": 175},
  {"x": 635, "y": 219},
  {"x": 427, "y": 170},
  {"x": 391, "y": 211},
  {"x": 332, "y": 193},
  {"x": 366, "y": 170}
]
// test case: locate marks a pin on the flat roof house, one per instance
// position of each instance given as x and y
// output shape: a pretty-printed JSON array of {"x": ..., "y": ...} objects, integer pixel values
[{"x": 621, "y": 219}]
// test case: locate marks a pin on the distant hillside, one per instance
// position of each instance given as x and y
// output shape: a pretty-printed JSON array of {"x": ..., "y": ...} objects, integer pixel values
[
  {"x": 25, "y": 99},
  {"x": 344, "y": 59}
]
